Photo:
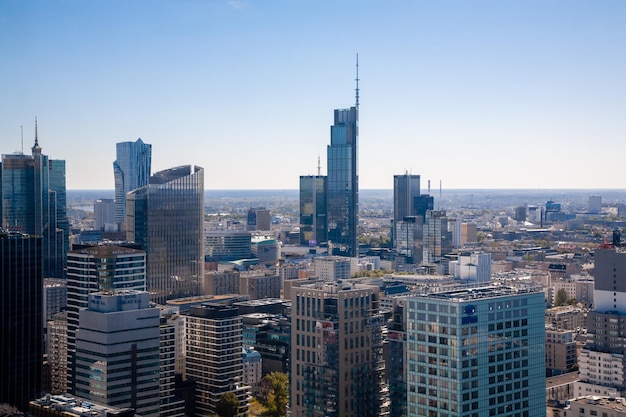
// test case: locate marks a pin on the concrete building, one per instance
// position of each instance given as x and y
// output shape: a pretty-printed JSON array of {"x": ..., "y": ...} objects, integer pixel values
[
  {"x": 104, "y": 214},
  {"x": 469, "y": 233},
  {"x": 252, "y": 368},
  {"x": 337, "y": 366},
  {"x": 560, "y": 352},
  {"x": 476, "y": 352},
  {"x": 54, "y": 297},
  {"x": 56, "y": 348},
  {"x": 70, "y": 406},
  {"x": 595, "y": 204},
  {"x": 214, "y": 362},
  {"x": 332, "y": 268},
  {"x": 564, "y": 318},
  {"x": 123, "y": 326},
  {"x": 259, "y": 218},
  {"x": 472, "y": 267}
]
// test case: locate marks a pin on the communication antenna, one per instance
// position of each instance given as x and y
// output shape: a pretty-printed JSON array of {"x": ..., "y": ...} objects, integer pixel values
[
  {"x": 428, "y": 186},
  {"x": 36, "y": 139},
  {"x": 22, "y": 130},
  {"x": 319, "y": 166},
  {"x": 357, "y": 81}
]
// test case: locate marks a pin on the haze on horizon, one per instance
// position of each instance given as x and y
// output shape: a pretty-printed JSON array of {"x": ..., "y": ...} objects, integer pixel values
[{"x": 479, "y": 95}]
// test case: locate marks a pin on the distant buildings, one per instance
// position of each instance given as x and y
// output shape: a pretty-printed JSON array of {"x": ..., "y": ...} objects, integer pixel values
[
  {"x": 313, "y": 222},
  {"x": 166, "y": 218},
  {"x": 259, "y": 218},
  {"x": 131, "y": 170},
  {"x": 104, "y": 214},
  {"x": 21, "y": 332}
]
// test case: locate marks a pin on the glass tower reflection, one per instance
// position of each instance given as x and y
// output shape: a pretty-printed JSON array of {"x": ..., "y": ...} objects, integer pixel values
[
  {"x": 166, "y": 218},
  {"x": 342, "y": 183}
]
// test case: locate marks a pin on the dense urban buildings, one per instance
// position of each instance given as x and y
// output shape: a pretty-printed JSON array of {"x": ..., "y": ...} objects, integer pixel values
[
  {"x": 131, "y": 170},
  {"x": 337, "y": 366},
  {"x": 21, "y": 311},
  {"x": 313, "y": 224},
  {"x": 33, "y": 201},
  {"x": 166, "y": 217},
  {"x": 476, "y": 352},
  {"x": 405, "y": 189}
]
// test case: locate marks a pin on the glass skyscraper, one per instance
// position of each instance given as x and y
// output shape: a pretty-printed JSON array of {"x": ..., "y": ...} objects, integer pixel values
[
  {"x": 476, "y": 352},
  {"x": 21, "y": 312},
  {"x": 342, "y": 183},
  {"x": 131, "y": 170},
  {"x": 405, "y": 188},
  {"x": 166, "y": 218},
  {"x": 312, "y": 209},
  {"x": 33, "y": 201}
]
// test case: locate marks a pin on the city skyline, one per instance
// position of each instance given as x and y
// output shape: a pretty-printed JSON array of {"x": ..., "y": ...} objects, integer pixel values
[{"x": 477, "y": 95}]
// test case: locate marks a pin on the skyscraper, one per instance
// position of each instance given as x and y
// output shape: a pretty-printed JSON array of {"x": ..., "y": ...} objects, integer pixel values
[
  {"x": 476, "y": 352},
  {"x": 118, "y": 350},
  {"x": 166, "y": 217},
  {"x": 33, "y": 201},
  {"x": 405, "y": 188},
  {"x": 214, "y": 345},
  {"x": 98, "y": 268},
  {"x": 343, "y": 183},
  {"x": 21, "y": 310},
  {"x": 337, "y": 366},
  {"x": 131, "y": 170},
  {"x": 313, "y": 225}
]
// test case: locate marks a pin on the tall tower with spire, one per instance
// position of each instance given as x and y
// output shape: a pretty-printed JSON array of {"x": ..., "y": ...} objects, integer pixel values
[
  {"x": 34, "y": 202},
  {"x": 343, "y": 179}
]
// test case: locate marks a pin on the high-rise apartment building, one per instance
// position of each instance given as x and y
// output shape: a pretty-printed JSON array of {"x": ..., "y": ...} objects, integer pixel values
[
  {"x": 56, "y": 348},
  {"x": 117, "y": 351},
  {"x": 214, "y": 362},
  {"x": 342, "y": 198},
  {"x": 33, "y": 201},
  {"x": 21, "y": 332},
  {"x": 476, "y": 352},
  {"x": 98, "y": 268},
  {"x": 337, "y": 366},
  {"x": 166, "y": 217},
  {"x": 313, "y": 225},
  {"x": 131, "y": 170}
]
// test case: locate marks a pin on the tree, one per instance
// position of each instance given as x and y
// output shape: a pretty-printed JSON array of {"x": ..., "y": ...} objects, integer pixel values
[
  {"x": 227, "y": 406},
  {"x": 561, "y": 298},
  {"x": 279, "y": 396}
]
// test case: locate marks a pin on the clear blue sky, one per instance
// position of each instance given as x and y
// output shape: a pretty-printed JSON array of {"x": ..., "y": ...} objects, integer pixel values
[{"x": 477, "y": 94}]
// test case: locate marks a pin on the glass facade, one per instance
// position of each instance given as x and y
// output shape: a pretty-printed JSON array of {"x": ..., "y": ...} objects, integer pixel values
[
  {"x": 342, "y": 183},
  {"x": 131, "y": 170},
  {"x": 21, "y": 312},
  {"x": 34, "y": 202},
  {"x": 476, "y": 352},
  {"x": 166, "y": 217},
  {"x": 405, "y": 188},
  {"x": 312, "y": 210}
]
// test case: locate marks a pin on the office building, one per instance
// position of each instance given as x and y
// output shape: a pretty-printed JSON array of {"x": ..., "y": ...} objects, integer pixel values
[
  {"x": 170, "y": 332},
  {"x": 468, "y": 233},
  {"x": 214, "y": 362},
  {"x": 422, "y": 204},
  {"x": 408, "y": 238},
  {"x": 54, "y": 297},
  {"x": 595, "y": 204},
  {"x": 437, "y": 240},
  {"x": 313, "y": 224},
  {"x": 227, "y": 245},
  {"x": 337, "y": 366},
  {"x": 166, "y": 218},
  {"x": 259, "y": 218},
  {"x": 33, "y": 201},
  {"x": 21, "y": 310},
  {"x": 104, "y": 214},
  {"x": 98, "y": 268},
  {"x": 123, "y": 326},
  {"x": 131, "y": 170},
  {"x": 472, "y": 267},
  {"x": 342, "y": 195},
  {"x": 405, "y": 188},
  {"x": 476, "y": 352},
  {"x": 332, "y": 268}
]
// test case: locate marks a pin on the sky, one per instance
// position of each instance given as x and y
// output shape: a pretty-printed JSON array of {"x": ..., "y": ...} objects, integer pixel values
[{"x": 472, "y": 94}]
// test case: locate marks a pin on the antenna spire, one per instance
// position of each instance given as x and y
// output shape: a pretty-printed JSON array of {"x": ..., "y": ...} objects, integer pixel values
[
  {"x": 36, "y": 133},
  {"x": 357, "y": 81},
  {"x": 22, "y": 132},
  {"x": 319, "y": 166}
]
